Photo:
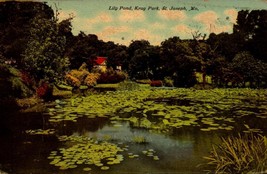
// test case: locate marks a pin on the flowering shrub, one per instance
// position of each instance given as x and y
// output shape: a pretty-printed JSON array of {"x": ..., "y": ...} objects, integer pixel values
[
  {"x": 156, "y": 83},
  {"x": 76, "y": 78},
  {"x": 44, "y": 90},
  {"x": 73, "y": 81},
  {"x": 79, "y": 74},
  {"x": 91, "y": 79}
]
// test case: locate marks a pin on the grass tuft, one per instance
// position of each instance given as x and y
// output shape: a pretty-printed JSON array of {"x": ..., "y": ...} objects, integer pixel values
[{"x": 239, "y": 155}]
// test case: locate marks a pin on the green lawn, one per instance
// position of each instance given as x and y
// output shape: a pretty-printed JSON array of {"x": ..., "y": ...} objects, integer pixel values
[{"x": 102, "y": 86}]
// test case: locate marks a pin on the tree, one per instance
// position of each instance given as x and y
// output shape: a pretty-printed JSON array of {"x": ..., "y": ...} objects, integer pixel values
[
  {"x": 180, "y": 61},
  {"x": 252, "y": 26},
  {"x": 139, "y": 57},
  {"x": 117, "y": 55},
  {"x": 43, "y": 57},
  {"x": 251, "y": 69},
  {"x": 15, "y": 22},
  {"x": 168, "y": 53},
  {"x": 154, "y": 63},
  {"x": 226, "y": 45},
  {"x": 84, "y": 48}
]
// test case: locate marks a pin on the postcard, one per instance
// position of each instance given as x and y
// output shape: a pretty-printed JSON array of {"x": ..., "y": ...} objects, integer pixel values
[{"x": 133, "y": 86}]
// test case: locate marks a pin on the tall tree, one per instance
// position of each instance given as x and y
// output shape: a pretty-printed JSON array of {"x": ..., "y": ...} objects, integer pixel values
[
  {"x": 117, "y": 55},
  {"x": 252, "y": 26},
  {"x": 15, "y": 22},
  {"x": 251, "y": 69},
  {"x": 226, "y": 45},
  {"x": 43, "y": 57},
  {"x": 180, "y": 61},
  {"x": 84, "y": 48},
  {"x": 139, "y": 57}
]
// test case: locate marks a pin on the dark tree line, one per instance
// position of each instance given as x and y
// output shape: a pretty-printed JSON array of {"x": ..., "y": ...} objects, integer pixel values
[{"x": 31, "y": 34}]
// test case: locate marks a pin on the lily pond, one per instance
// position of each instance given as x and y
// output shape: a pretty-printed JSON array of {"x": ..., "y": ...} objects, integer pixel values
[{"x": 139, "y": 131}]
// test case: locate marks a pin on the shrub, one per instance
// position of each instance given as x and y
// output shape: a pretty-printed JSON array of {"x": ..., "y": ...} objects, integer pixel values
[
  {"x": 91, "y": 79},
  {"x": 83, "y": 67},
  {"x": 12, "y": 84},
  {"x": 79, "y": 74},
  {"x": 76, "y": 78},
  {"x": 156, "y": 83},
  {"x": 121, "y": 75},
  {"x": 239, "y": 155},
  {"x": 44, "y": 91},
  {"x": 28, "y": 102},
  {"x": 18, "y": 88},
  {"x": 73, "y": 81},
  {"x": 7, "y": 71},
  {"x": 112, "y": 76}
]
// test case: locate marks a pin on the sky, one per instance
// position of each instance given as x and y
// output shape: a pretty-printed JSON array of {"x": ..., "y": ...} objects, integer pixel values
[{"x": 123, "y": 21}]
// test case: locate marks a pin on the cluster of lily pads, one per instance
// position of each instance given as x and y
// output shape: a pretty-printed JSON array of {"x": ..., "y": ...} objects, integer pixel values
[
  {"x": 162, "y": 109},
  {"x": 91, "y": 153},
  {"x": 41, "y": 132},
  {"x": 153, "y": 109},
  {"x": 86, "y": 151},
  {"x": 151, "y": 153}
]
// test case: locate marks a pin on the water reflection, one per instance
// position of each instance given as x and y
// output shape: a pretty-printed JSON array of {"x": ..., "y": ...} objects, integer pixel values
[{"x": 82, "y": 125}]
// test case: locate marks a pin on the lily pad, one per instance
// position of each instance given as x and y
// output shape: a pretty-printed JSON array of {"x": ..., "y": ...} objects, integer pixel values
[
  {"x": 104, "y": 168},
  {"x": 87, "y": 169}
]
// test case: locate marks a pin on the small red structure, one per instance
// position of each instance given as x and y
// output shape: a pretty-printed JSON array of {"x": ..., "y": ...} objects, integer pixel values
[
  {"x": 101, "y": 63},
  {"x": 100, "y": 60}
]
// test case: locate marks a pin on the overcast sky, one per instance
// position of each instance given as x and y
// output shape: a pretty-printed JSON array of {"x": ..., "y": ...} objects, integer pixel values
[{"x": 152, "y": 20}]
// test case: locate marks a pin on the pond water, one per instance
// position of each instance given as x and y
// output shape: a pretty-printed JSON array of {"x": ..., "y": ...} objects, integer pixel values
[{"x": 151, "y": 131}]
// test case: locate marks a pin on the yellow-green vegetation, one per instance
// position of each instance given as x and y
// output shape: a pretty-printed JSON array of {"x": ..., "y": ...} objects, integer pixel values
[
  {"x": 144, "y": 81},
  {"x": 139, "y": 139},
  {"x": 242, "y": 154},
  {"x": 40, "y": 132},
  {"x": 210, "y": 110},
  {"x": 115, "y": 85},
  {"x": 58, "y": 93},
  {"x": 86, "y": 151},
  {"x": 128, "y": 85},
  {"x": 91, "y": 79},
  {"x": 151, "y": 153},
  {"x": 82, "y": 76},
  {"x": 168, "y": 81},
  {"x": 28, "y": 102},
  {"x": 158, "y": 110}
]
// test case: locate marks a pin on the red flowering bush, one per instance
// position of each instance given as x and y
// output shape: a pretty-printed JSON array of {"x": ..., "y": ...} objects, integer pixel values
[
  {"x": 44, "y": 91},
  {"x": 156, "y": 83}
]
